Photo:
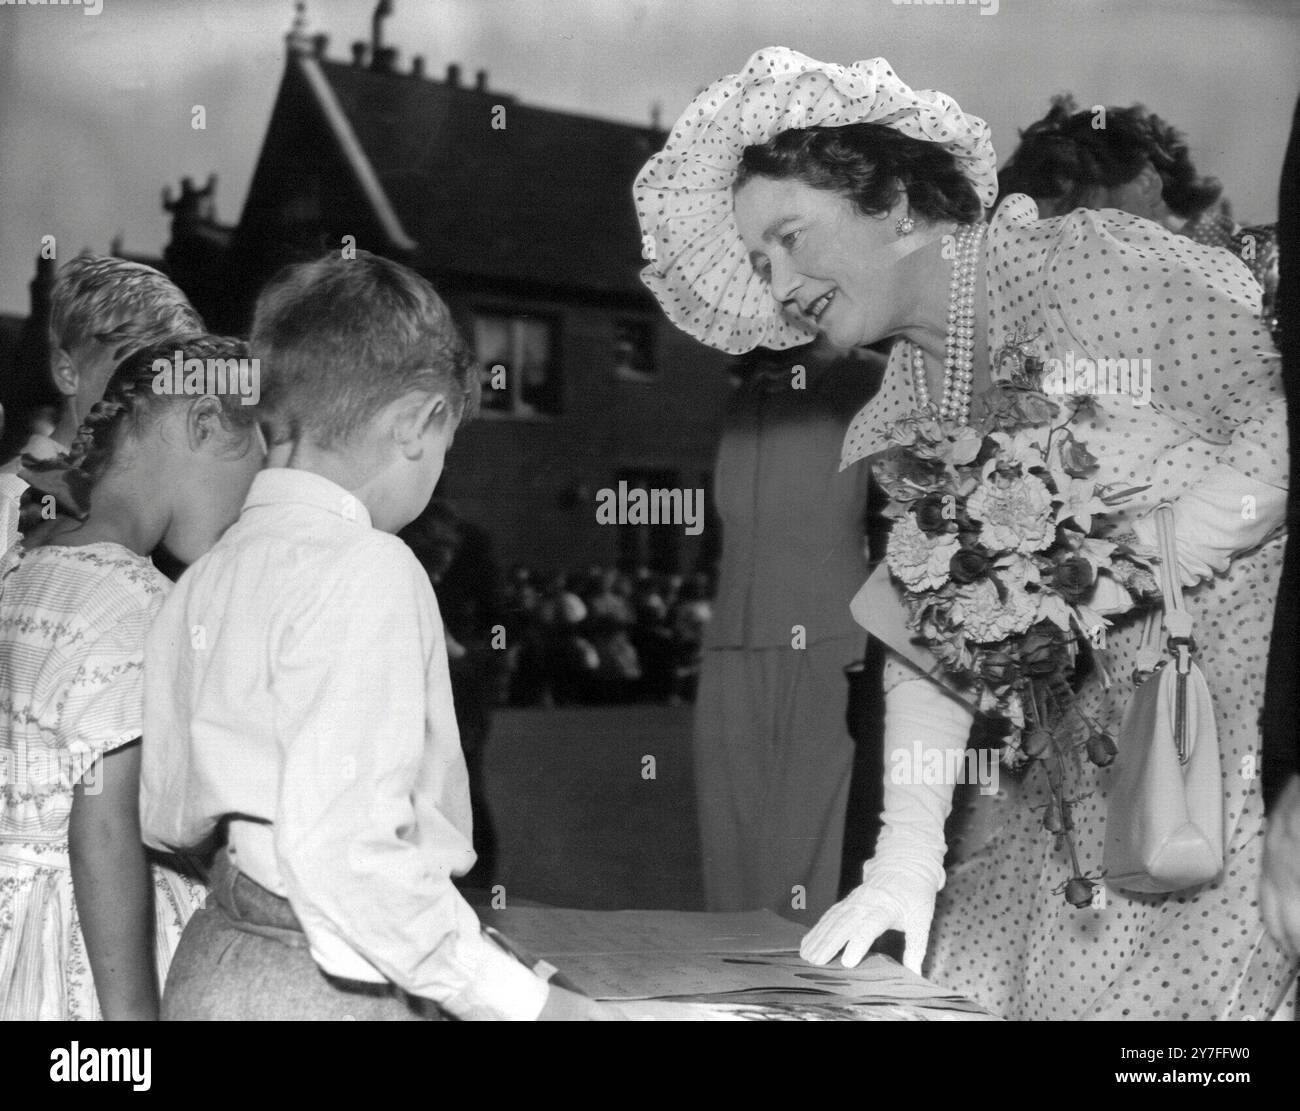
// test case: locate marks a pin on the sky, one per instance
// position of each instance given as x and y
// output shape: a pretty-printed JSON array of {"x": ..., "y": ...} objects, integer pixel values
[{"x": 96, "y": 110}]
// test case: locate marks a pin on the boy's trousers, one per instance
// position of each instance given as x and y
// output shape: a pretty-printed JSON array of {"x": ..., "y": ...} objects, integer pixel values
[{"x": 245, "y": 957}]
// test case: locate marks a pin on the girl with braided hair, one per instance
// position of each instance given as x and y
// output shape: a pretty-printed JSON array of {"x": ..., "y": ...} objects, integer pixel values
[{"x": 88, "y": 919}]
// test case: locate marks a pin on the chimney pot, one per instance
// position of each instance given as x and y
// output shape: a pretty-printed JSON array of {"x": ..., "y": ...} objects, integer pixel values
[
  {"x": 358, "y": 53},
  {"x": 453, "y": 74},
  {"x": 417, "y": 66},
  {"x": 384, "y": 59},
  {"x": 297, "y": 36},
  {"x": 481, "y": 81},
  {"x": 320, "y": 43}
]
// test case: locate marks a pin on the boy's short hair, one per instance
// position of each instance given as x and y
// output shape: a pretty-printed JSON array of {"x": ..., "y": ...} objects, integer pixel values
[
  {"x": 123, "y": 304},
  {"x": 341, "y": 338}
]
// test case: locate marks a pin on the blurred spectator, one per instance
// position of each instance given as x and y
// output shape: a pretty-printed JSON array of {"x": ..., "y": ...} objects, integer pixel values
[
  {"x": 652, "y": 637},
  {"x": 772, "y": 751},
  {"x": 601, "y": 636},
  {"x": 691, "y": 613},
  {"x": 457, "y": 556},
  {"x": 609, "y": 619},
  {"x": 1131, "y": 159}
]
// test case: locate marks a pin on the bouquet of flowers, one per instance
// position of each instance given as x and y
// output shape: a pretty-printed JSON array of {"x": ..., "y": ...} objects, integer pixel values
[{"x": 1009, "y": 564}]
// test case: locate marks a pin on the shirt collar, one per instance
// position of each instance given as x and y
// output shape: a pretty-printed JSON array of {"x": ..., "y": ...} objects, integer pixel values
[
  {"x": 280, "y": 485},
  {"x": 40, "y": 446}
]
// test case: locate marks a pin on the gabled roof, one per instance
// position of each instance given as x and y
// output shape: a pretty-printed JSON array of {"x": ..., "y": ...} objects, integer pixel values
[{"x": 545, "y": 201}]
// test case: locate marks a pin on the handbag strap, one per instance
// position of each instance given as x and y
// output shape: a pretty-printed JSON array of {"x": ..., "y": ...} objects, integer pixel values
[
  {"x": 1174, "y": 617},
  {"x": 1177, "y": 625},
  {"x": 1177, "y": 618}
]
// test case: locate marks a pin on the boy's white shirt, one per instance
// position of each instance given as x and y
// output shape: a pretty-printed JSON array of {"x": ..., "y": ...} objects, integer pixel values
[{"x": 297, "y": 675}]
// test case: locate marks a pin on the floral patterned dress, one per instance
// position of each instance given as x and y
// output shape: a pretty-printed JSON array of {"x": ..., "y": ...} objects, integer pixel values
[
  {"x": 1107, "y": 284},
  {"x": 72, "y": 628}
]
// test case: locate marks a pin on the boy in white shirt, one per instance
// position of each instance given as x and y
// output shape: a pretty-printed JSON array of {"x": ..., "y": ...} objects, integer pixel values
[{"x": 297, "y": 690}]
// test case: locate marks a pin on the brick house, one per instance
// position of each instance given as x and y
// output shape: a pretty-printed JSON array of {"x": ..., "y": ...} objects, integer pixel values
[{"x": 522, "y": 218}]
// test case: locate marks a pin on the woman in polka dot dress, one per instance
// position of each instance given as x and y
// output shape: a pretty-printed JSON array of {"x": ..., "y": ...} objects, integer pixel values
[
  {"x": 797, "y": 198},
  {"x": 1107, "y": 284}
]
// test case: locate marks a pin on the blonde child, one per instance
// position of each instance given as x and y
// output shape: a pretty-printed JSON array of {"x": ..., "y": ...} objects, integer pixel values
[
  {"x": 87, "y": 925},
  {"x": 101, "y": 309}
]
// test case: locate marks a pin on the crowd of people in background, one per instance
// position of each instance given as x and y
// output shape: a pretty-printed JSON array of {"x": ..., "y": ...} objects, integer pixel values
[
  {"x": 603, "y": 635},
  {"x": 527, "y": 637}
]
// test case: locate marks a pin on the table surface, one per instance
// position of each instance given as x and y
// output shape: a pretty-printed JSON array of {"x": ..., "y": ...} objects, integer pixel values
[{"x": 724, "y": 958}]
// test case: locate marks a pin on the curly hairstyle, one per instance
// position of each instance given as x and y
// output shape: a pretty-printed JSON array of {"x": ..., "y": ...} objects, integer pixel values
[
  {"x": 130, "y": 401},
  {"x": 870, "y": 165},
  {"x": 1063, "y": 157}
]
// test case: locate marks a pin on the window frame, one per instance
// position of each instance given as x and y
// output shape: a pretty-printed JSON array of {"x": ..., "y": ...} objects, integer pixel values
[{"x": 514, "y": 314}]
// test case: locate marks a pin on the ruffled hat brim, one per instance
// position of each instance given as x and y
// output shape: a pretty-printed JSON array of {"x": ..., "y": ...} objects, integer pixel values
[{"x": 698, "y": 267}]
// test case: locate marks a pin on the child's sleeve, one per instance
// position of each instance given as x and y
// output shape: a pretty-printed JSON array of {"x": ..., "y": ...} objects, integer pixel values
[
  {"x": 367, "y": 832},
  {"x": 103, "y": 705}
]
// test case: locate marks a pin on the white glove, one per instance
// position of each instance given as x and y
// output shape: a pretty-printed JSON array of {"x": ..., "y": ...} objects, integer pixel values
[
  {"x": 900, "y": 882},
  {"x": 1225, "y": 513}
]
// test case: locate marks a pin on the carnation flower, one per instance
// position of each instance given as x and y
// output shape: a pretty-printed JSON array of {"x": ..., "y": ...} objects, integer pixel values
[
  {"x": 1016, "y": 512},
  {"x": 988, "y": 617},
  {"x": 920, "y": 561}
]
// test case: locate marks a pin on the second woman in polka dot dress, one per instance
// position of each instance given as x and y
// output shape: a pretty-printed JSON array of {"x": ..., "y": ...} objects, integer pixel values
[{"x": 796, "y": 198}]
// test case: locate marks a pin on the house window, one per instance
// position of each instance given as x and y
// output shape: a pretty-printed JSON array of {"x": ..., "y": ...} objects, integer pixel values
[
  {"x": 634, "y": 350},
  {"x": 517, "y": 365}
]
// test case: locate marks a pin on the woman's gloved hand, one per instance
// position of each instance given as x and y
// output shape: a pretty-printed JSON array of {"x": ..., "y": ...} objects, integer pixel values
[
  {"x": 890, "y": 897},
  {"x": 900, "y": 882},
  {"x": 1226, "y": 513}
]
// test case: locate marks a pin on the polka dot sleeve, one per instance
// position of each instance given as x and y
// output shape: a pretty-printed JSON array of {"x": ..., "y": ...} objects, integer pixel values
[{"x": 1127, "y": 288}]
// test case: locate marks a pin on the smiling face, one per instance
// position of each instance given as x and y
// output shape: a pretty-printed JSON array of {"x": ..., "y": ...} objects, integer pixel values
[{"x": 816, "y": 252}]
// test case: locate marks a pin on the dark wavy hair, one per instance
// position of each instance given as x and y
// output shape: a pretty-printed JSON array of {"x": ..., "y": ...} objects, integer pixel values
[
  {"x": 130, "y": 402},
  {"x": 1063, "y": 158},
  {"x": 870, "y": 165}
]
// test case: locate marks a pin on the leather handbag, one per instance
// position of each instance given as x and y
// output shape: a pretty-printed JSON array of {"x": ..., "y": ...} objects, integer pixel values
[{"x": 1164, "y": 818}]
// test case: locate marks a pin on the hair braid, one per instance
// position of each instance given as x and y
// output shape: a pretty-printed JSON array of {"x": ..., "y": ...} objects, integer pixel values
[{"x": 128, "y": 398}]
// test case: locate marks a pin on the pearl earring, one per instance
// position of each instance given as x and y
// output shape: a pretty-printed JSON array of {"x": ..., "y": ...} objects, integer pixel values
[{"x": 904, "y": 225}]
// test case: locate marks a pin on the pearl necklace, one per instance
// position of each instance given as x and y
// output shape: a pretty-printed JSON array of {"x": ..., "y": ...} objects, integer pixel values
[{"x": 959, "y": 347}]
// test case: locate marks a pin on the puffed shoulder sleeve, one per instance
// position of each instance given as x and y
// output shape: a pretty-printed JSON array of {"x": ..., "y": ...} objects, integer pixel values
[
  {"x": 103, "y": 707},
  {"x": 1125, "y": 287}
]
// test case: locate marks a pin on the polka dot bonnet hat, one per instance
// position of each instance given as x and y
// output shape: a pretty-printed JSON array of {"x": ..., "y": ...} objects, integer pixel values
[{"x": 698, "y": 266}]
